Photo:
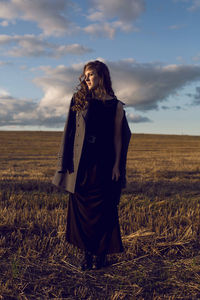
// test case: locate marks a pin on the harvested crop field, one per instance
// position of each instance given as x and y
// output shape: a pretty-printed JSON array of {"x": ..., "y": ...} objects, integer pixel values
[{"x": 159, "y": 217}]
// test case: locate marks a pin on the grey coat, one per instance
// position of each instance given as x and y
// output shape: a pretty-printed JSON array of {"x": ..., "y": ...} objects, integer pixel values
[{"x": 65, "y": 176}]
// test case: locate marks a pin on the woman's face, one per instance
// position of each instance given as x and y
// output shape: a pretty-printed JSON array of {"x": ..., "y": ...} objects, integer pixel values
[{"x": 91, "y": 78}]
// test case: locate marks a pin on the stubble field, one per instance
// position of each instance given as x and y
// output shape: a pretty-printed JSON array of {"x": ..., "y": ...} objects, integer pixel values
[{"x": 159, "y": 217}]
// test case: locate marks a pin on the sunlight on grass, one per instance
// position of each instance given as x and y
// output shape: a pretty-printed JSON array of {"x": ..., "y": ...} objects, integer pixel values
[{"x": 159, "y": 217}]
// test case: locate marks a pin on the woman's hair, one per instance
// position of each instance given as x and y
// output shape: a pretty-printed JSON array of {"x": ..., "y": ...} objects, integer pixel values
[{"x": 83, "y": 95}]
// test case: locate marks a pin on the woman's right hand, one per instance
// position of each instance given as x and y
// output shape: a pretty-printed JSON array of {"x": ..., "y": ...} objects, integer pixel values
[{"x": 115, "y": 173}]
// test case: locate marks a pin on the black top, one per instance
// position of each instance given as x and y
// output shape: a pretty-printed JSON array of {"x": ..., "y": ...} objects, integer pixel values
[{"x": 99, "y": 136}]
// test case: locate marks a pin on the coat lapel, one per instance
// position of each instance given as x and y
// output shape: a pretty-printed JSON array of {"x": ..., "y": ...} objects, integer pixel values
[{"x": 84, "y": 114}]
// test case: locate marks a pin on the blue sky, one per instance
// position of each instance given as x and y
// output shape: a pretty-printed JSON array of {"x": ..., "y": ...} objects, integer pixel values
[{"x": 151, "y": 47}]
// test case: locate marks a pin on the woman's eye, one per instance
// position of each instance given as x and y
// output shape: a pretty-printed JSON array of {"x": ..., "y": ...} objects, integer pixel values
[{"x": 89, "y": 75}]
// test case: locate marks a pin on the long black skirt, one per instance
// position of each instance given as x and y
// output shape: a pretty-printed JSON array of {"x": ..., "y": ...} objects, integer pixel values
[{"x": 92, "y": 221}]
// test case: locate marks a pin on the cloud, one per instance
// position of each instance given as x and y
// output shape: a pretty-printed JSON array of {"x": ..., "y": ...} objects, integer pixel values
[
  {"x": 176, "y": 26},
  {"x": 100, "y": 30},
  {"x": 126, "y": 10},
  {"x": 113, "y": 15},
  {"x": 141, "y": 86},
  {"x": 144, "y": 86},
  {"x": 180, "y": 58},
  {"x": 54, "y": 17},
  {"x": 26, "y": 112},
  {"x": 58, "y": 85},
  {"x": 134, "y": 118},
  {"x": 177, "y": 107},
  {"x": 96, "y": 16},
  {"x": 50, "y": 15},
  {"x": 196, "y": 57},
  {"x": 194, "y": 4},
  {"x": 195, "y": 96},
  {"x": 76, "y": 49},
  {"x": 15, "y": 111},
  {"x": 108, "y": 29},
  {"x": 4, "y": 23},
  {"x": 123, "y": 26},
  {"x": 31, "y": 45},
  {"x": 3, "y": 92},
  {"x": 5, "y": 63}
]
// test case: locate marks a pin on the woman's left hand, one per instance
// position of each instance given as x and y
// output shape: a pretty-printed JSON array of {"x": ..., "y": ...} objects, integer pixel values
[{"x": 115, "y": 173}]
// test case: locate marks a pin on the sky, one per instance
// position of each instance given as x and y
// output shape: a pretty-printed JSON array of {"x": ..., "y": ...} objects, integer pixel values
[{"x": 152, "y": 49}]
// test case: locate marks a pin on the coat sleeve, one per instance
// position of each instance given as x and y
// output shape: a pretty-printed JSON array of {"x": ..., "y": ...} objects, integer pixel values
[
  {"x": 65, "y": 154},
  {"x": 126, "y": 136}
]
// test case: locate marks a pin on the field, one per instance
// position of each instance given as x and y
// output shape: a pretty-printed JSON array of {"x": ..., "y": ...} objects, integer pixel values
[{"x": 159, "y": 217}]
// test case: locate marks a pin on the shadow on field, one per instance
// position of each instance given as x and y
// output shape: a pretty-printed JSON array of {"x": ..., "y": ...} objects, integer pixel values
[
  {"x": 28, "y": 186},
  {"x": 160, "y": 187},
  {"x": 156, "y": 277},
  {"x": 163, "y": 187},
  {"x": 180, "y": 174}
]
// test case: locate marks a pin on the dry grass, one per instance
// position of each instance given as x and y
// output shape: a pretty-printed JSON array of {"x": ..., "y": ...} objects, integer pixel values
[{"x": 159, "y": 217}]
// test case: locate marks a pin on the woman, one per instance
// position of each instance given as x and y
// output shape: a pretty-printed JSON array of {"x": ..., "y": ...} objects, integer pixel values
[{"x": 91, "y": 165}]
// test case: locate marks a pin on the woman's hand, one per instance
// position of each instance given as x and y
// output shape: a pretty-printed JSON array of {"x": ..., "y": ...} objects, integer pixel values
[{"x": 115, "y": 173}]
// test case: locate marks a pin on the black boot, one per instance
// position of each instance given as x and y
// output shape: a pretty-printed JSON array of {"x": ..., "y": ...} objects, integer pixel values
[
  {"x": 87, "y": 262},
  {"x": 101, "y": 261}
]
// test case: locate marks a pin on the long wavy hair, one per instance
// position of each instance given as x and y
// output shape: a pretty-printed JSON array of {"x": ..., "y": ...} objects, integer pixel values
[{"x": 83, "y": 95}]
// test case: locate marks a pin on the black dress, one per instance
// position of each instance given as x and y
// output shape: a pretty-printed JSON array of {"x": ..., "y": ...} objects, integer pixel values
[{"x": 92, "y": 221}]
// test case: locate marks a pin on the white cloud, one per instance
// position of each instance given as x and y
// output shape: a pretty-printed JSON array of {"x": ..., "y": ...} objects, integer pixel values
[
  {"x": 72, "y": 49},
  {"x": 196, "y": 57},
  {"x": 49, "y": 15},
  {"x": 27, "y": 112},
  {"x": 126, "y": 10},
  {"x": 58, "y": 85},
  {"x": 96, "y": 16},
  {"x": 195, "y": 5},
  {"x": 123, "y": 26},
  {"x": 4, "y": 23},
  {"x": 141, "y": 86},
  {"x": 101, "y": 29},
  {"x": 31, "y": 45},
  {"x": 135, "y": 118},
  {"x": 3, "y": 92},
  {"x": 5, "y": 63},
  {"x": 180, "y": 58},
  {"x": 110, "y": 16},
  {"x": 176, "y": 26},
  {"x": 15, "y": 111},
  {"x": 108, "y": 29},
  {"x": 53, "y": 17}
]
